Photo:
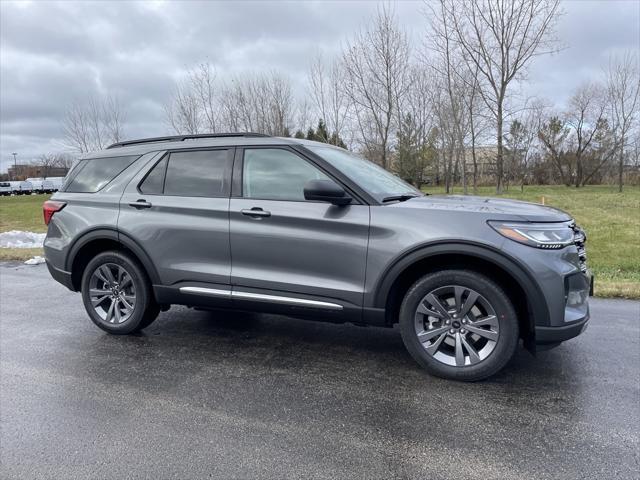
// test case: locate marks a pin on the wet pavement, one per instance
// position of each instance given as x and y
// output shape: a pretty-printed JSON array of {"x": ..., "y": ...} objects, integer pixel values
[{"x": 236, "y": 395}]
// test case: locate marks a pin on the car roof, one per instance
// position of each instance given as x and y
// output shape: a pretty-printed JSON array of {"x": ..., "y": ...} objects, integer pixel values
[{"x": 174, "y": 143}]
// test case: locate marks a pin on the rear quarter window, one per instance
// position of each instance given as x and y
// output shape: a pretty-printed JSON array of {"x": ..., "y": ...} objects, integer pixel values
[{"x": 89, "y": 176}]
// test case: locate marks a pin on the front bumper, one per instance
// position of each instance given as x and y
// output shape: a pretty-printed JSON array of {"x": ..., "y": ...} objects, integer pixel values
[
  {"x": 578, "y": 287},
  {"x": 554, "y": 335}
]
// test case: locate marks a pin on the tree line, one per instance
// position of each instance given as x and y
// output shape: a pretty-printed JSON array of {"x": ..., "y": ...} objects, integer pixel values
[{"x": 447, "y": 109}]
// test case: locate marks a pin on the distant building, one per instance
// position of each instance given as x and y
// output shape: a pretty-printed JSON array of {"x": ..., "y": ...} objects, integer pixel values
[{"x": 22, "y": 171}]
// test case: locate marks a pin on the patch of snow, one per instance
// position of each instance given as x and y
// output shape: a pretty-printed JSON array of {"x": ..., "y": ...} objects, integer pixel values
[
  {"x": 20, "y": 239},
  {"x": 35, "y": 260}
]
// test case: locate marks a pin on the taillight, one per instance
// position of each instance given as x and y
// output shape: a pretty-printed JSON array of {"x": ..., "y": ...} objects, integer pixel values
[{"x": 49, "y": 208}]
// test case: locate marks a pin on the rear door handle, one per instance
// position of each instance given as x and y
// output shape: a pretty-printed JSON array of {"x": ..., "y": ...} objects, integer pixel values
[
  {"x": 255, "y": 212},
  {"x": 140, "y": 203}
]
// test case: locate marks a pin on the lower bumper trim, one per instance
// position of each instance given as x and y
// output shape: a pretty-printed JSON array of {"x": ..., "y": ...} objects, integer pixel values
[
  {"x": 61, "y": 276},
  {"x": 546, "y": 335}
]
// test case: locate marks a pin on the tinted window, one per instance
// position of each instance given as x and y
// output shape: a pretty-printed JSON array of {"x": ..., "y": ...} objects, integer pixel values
[
  {"x": 276, "y": 174},
  {"x": 197, "y": 174},
  {"x": 154, "y": 181},
  {"x": 94, "y": 174}
]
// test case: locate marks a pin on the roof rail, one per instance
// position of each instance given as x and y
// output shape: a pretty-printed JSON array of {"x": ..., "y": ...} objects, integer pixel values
[{"x": 182, "y": 138}]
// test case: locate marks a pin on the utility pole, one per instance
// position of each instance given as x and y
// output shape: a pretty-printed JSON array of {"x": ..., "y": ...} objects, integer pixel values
[{"x": 15, "y": 165}]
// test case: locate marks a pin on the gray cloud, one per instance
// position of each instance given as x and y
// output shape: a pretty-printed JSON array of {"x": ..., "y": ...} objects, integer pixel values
[{"x": 54, "y": 53}]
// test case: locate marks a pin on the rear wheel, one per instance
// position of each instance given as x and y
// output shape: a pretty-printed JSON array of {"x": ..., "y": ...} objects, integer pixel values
[
  {"x": 117, "y": 294},
  {"x": 459, "y": 324}
]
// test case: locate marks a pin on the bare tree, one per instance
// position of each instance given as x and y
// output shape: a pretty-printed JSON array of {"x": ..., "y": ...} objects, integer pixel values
[
  {"x": 585, "y": 116},
  {"x": 623, "y": 96},
  {"x": 376, "y": 64},
  {"x": 448, "y": 65},
  {"x": 580, "y": 142},
  {"x": 64, "y": 160},
  {"x": 521, "y": 141},
  {"x": 184, "y": 111},
  {"x": 477, "y": 121},
  {"x": 326, "y": 84},
  {"x": 553, "y": 134},
  {"x": 45, "y": 161},
  {"x": 448, "y": 139},
  {"x": 260, "y": 103},
  {"x": 203, "y": 81},
  {"x": 48, "y": 161},
  {"x": 113, "y": 119},
  {"x": 499, "y": 38},
  {"x": 280, "y": 104},
  {"x": 93, "y": 124},
  {"x": 417, "y": 134}
]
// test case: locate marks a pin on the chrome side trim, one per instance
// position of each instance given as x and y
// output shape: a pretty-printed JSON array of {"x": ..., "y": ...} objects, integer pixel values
[
  {"x": 302, "y": 302},
  {"x": 287, "y": 300},
  {"x": 214, "y": 292}
]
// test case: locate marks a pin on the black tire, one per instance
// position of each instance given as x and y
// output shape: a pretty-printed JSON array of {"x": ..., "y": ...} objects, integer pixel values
[
  {"x": 503, "y": 349},
  {"x": 145, "y": 308},
  {"x": 152, "y": 312}
]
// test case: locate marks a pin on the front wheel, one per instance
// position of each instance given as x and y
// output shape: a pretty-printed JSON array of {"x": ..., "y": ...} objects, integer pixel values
[
  {"x": 117, "y": 294},
  {"x": 458, "y": 324}
]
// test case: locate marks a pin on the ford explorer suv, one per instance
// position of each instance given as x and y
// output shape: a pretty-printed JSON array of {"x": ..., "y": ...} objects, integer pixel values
[{"x": 305, "y": 229}]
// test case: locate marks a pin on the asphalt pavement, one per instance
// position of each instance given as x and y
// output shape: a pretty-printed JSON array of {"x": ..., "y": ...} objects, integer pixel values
[{"x": 228, "y": 395}]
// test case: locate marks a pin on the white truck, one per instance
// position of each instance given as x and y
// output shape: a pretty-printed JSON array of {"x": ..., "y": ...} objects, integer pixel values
[
  {"x": 57, "y": 182},
  {"x": 5, "y": 188},
  {"x": 42, "y": 185},
  {"x": 23, "y": 188},
  {"x": 37, "y": 184}
]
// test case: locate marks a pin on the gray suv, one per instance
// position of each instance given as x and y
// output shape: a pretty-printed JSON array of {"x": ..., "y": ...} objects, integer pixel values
[{"x": 305, "y": 229}]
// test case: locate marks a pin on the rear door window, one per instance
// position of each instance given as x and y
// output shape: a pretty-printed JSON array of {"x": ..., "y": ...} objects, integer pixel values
[
  {"x": 205, "y": 173},
  {"x": 92, "y": 175}
]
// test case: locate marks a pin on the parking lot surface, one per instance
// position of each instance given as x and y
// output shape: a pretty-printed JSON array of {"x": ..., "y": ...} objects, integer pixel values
[{"x": 228, "y": 395}]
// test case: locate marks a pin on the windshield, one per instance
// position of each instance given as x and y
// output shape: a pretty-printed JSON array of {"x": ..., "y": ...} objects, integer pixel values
[{"x": 375, "y": 180}]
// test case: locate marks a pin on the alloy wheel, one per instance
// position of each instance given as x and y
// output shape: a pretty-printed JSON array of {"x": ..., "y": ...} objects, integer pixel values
[
  {"x": 112, "y": 293},
  {"x": 457, "y": 326}
]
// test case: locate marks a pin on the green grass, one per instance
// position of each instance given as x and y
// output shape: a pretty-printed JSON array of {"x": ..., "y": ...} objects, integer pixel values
[
  {"x": 20, "y": 254},
  {"x": 611, "y": 219},
  {"x": 612, "y": 223},
  {"x": 22, "y": 212}
]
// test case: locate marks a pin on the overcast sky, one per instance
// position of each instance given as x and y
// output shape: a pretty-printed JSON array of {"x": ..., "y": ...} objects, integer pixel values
[{"x": 54, "y": 53}]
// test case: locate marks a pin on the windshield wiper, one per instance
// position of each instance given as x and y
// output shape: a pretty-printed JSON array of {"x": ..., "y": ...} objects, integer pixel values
[{"x": 399, "y": 198}]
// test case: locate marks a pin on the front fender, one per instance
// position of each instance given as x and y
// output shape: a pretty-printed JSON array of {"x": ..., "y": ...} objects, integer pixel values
[{"x": 536, "y": 302}]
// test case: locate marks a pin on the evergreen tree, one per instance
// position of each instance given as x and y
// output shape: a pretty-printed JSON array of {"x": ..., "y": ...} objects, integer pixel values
[
  {"x": 337, "y": 141},
  {"x": 414, "y": 153},
  {"x": 321, "y": 134},
  {"x": 311, "y": 134}
]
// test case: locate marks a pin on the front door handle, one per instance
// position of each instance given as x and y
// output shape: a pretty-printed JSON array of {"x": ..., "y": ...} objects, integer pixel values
[
  {"x": 255, "y": 212},
  {"x": 140, "y": 203}
]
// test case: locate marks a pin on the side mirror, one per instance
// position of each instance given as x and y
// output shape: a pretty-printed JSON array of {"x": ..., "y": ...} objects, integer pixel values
[{"x": 326, "y": 191}]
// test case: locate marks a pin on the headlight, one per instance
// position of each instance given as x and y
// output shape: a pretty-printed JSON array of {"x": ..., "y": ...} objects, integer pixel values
[{"x": 539, "y": 235}]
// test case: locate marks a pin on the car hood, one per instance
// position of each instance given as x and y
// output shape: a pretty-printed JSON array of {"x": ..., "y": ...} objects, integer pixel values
[{"x": 501, "y": 209}]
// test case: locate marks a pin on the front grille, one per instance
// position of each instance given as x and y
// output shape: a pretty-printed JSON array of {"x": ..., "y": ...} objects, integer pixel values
[{"x": 580, "y": 239}]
